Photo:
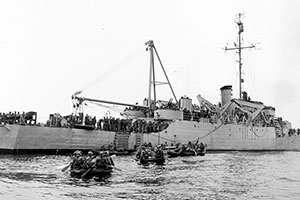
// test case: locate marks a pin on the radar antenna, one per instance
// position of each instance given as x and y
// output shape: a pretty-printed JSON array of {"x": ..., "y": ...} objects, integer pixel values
[{"x": 239, "y": 47}]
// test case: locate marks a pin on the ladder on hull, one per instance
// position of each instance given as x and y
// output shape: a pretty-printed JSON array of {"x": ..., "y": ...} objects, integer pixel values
[{"x": 121, "y": 140}]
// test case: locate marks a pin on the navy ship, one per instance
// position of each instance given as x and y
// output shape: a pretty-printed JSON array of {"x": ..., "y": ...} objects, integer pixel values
[{"x": 234, "y": 124}]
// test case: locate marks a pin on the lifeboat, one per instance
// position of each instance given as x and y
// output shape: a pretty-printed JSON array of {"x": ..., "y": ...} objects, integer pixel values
[
  {"x": 94, "y": 172},
  {"x": 177, "y": 153}
]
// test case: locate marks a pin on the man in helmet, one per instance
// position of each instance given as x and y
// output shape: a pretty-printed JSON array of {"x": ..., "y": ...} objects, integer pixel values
[
  {"x": 88, "y": 159},
  {"x": 100, "y": 161},
  {"x": 78, "y": 160}
]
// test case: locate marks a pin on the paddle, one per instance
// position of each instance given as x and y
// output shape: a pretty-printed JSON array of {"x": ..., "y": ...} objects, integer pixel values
[
  {"x": 192, "y": 161},
  {"x": 113, "y": 167},
  {"x": 90, "y": 169},
  {"x": 116, "y": 168},
  {"x": 87, "y": 171},
  {"x": 66, "y": 167}
]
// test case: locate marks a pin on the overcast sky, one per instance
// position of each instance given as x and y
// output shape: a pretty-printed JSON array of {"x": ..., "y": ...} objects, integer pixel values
[{"x": 51, "y": 49}]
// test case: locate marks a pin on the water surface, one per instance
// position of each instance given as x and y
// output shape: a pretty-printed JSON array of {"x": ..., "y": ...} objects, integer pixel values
[{"x": 230, "y": 175}]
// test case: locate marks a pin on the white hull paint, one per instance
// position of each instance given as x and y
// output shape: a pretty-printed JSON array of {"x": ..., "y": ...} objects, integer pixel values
[
  {"x": 224, "y": 137},
  {"x": 218, "y": 137},
  {"x": 14, "y": 137}
]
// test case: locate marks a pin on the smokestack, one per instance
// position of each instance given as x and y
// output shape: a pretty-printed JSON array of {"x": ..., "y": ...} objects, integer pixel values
[{"x": 226, "y": 94}]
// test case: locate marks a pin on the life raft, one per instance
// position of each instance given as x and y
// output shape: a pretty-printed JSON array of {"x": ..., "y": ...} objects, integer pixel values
[
  {"x": 158, "y": 161},
  {"x": 119, "y": 153},
  {"x": 94, "y": 172},
  {"x": 175, "y": 153}
]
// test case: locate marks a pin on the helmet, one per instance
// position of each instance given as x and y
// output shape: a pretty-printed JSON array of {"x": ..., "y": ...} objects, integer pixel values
[
  {"x": 90, "y": 153},
  {"x": 77, "y": 153}
]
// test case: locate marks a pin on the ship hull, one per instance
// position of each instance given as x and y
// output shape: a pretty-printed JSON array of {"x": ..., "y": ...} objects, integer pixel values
[
  {"x": 218, "y": 137},
  {"x": 36, "y": 139}
]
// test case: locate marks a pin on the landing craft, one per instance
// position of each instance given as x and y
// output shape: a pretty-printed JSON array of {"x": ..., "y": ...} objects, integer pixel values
[{"x": 234, "y": 124}]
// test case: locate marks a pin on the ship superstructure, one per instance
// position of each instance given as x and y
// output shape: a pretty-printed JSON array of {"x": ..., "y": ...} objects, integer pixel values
[{"x": 233, "y": 124}]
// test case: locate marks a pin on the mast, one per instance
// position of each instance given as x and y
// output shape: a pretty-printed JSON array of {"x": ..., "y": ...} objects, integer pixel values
[
  {"x": 152, "y": 81},
  {"x": 239, "y": 49}
]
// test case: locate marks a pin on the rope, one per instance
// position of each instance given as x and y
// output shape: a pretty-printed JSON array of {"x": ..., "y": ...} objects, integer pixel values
[
  {"x": 117, "y": 110},
  {"x": 1, "y": 125},
  {"x": 194, "y": 140},
  {"x": 211, "y": 131},
  {"x": 256, "y": 134},
  {"x": 263, "y": 114},
  {"x": 163, "y": 138},
  {"x": 117, "y": 67}
]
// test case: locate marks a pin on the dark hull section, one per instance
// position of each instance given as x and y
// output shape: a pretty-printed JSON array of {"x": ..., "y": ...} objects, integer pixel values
[
  {"x": 18, "y": 139},
  {"x": 184, "y": 154},
  {"x": 44, "y": 151},
  {"x": 91, "y": 173},
  {"x": 158, "y": 161}
]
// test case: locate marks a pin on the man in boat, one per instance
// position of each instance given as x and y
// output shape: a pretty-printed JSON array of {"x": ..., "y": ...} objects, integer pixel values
[
  {"x": 143, "y": 156},
  {"x": 159, "y": 152},
  {"x": 102, "y": 161},
  {"x": 98, "y": 161},
  {"x": 191, "y": 147},
  {"x": 139, "y": 152},
  {"x": 201, "y": 146},
  {"x": 78, "y": 160},
  {"x": 146, "y": 153},
  {"x": 88, "y": 159},
  {"x": 107, "y": 159},
  {"x": 182, "y": 149}
]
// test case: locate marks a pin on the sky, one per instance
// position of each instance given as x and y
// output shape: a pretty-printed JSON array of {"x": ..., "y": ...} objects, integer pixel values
[{"x": 51, "y": 49}]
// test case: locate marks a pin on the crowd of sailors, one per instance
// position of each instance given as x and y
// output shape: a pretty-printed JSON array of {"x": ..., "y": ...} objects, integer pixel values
[
  {"x": 28, "y": 118},
  {"x": 197, "y": 115},
  {"x": 132, "y": 125},
  {"x": 293, "y": 132},
  {"x": 108, "y": 123}
]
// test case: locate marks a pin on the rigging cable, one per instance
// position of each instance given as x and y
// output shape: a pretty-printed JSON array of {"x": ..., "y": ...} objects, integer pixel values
[
  {"x": 256, "y": 133},
  {"x": 216, "y": 128},
  {"x": 162, "y": 137},
  {"x": 194, "y": 140},
  {"x": 116, "y": 67},
  {"x": 117, "y": 110}
]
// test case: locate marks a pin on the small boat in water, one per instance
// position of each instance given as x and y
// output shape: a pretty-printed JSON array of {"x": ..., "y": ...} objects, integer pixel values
[
  {"x": 182, "y": 151},
  {"x": 147, "y": 160},
  {"x": 147, "y": 155},
  {"x": 95, "y": 163},
  {"x": 119, "y": 153},
  {"x": 94, "y": 172}
]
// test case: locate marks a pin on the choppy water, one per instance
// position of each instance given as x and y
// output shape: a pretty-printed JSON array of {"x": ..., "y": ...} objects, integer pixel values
[{"x": 233, "y": 175}]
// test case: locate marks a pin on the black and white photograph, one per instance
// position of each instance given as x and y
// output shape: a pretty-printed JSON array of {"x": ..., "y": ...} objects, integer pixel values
[{"x": 149, "y": 100}]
